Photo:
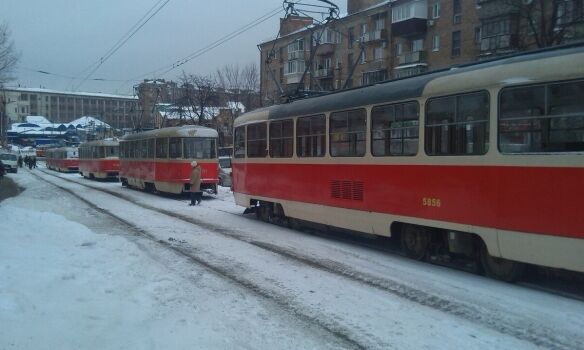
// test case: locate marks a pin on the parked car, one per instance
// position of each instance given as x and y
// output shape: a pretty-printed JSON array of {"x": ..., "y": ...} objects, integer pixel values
[
  {"x": 10, "y": 162},
  {"x": 225, "y": 171}
]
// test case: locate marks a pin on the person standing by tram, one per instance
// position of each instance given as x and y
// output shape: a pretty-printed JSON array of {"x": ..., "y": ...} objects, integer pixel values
[{"x": 196, "y": 194}]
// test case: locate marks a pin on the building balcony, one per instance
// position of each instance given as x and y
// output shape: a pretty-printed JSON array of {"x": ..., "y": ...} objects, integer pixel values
[
  {"x": 295, "y": 55},
  {"x": 323, "y": 73},
  {"x": 410, "y": 18},
  {"x": 412, "y": 57},
  {"x": 325, "y": 49},
  {"x": 293, "y": 78}
]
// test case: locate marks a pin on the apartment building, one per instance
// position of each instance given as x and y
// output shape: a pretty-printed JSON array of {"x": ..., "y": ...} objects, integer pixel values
[
  {"x": 381, "y": 40},
  {"x": 119, "y": 111}
]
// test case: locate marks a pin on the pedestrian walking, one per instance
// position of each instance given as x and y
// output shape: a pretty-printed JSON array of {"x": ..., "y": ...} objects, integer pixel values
[
  {"x": 19, "y": 161},
  {"x": 196, "y": 194},
  {"x": 34, "y": 161}
]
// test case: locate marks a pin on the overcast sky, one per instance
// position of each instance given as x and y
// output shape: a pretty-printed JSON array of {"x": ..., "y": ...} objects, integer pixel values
[{"x": 65, "y": 37}]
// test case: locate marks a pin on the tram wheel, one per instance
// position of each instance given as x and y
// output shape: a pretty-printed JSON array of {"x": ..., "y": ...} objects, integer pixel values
[
  {"x": 500, "y": 268},
  {"x": 415, "y": 241},
  {"x": 264, "y": 211}
]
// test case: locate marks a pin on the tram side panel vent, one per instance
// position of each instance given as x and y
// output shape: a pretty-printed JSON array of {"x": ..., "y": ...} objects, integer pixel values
[{"x": 347, "y": 190}]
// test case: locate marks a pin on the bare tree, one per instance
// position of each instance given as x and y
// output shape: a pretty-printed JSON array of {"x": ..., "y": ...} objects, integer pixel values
[
  {"x": 240, "y": 87},
  {"x": 200, "y": 94},
  {"x": 8, "y": 55},
  {"x": 547, "y": 22}
]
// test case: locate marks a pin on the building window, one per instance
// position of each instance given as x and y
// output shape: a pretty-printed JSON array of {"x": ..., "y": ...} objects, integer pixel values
[
  {"x": 436, "y": 43},
  {"x": 399, "y": 48},
  {"x": 294, "y": 67},
  {"x": 542, "y": 118},
  {"x": 496, "y": 34},
  {"x": 458, "y": 125},
  {"x": 378, "y": 53},
  {"x": 363, "y": 29},
  {"x": 456, "y": 11},
  {"x": 394, "y": 129},
  {"x": 477, "y": 35},
  {"x": 379, "y": 22},
  {"x": 456, "y": 43},
  {"x": 436, "y": 10},
  {"x": 296, "y": 49},
  {"x": 362, "y": 58},
  {"x": 256, "y": 140},
  {"x": 311, "y": 136},
  {"x": 281, "y": 138},
  {"x": 326, "y": 36},
  {"x": 374, "y": 77},
  {"x": 347, "y": 133},
  {"x": 417, "y": 45},
  {"x": 239, "y": 142},
  {"x": 351, "y": 36}
]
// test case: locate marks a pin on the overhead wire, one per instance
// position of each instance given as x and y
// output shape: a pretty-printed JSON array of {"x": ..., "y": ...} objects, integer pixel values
[
  {"x": 216, "y": 43},
  {"x": 118, "y": 46},
  {"x": 122, "y": 37}
]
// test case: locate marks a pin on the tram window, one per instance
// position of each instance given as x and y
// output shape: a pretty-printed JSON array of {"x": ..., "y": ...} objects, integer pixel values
[
  {"x": 394, "y": 129},
  {"x": 311, "y": 136},
  {"x": 162, "y": 148},
  {"x": 151, "y": 148},
  {"x": 239, "y": 142},
  {"x": 281, "y": 138},
  {"x": 458, "y": 125},
  {"x": 347, "y": 133},
  {"x": 175, "y": 147},
  {"x": 542, "y": 118},
  {"x": 256, "y": 140},
  {"x": 199, "y": 148},
  {"x": 143, "y": 148}
]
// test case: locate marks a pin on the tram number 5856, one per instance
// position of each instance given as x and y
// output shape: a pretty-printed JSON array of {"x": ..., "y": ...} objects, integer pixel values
[{"x": 431, "y": 202}]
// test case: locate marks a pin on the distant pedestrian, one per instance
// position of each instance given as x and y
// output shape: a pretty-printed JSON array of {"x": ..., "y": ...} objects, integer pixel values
[
  {"x": 19, "y": 161},
  {"x": 34, "y": 161},
  {"x": 196, "y": 194},
  {"x": 1, "y": 170},
  {"x": 26, "y": 160}
]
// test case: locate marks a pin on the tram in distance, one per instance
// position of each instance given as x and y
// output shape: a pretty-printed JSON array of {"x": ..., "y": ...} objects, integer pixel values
[
  {"x": 161, "y": 159},
  {"x": 484, "y": 161},
  {"x": 99, "y": 159},
  {"x": 64, "y": 159}
]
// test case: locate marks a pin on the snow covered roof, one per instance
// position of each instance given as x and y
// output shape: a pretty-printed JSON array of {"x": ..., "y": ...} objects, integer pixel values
[
  {"x": 83, "y": 122},
  {"x": 37, "y": 119},
  {"x": 88, "y": 94},
  {"x": 35, "y": 124}
]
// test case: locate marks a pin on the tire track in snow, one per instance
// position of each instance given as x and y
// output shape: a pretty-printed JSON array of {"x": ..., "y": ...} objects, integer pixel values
[
  {"x": 533, "y": 333},
  {"x": 337, "y": 330}
]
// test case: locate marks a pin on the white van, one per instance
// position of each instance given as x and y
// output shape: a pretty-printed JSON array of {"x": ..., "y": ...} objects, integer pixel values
[
  {"x": 10, "y": 162},
  {"x": 225, "y": 171}
]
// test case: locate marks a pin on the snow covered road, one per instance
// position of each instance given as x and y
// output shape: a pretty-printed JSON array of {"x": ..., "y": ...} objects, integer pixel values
[{"x": 155, "y": 273}]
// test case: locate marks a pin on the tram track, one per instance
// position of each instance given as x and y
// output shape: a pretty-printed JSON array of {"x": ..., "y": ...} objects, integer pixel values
[{"x": 533, "y": 333}]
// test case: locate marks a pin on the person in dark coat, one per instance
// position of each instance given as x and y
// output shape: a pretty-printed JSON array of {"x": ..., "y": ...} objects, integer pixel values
[
  {"x": 196, "y": 194},
  {"x": 19, "y": 161},
  {"x": 33, "y": 161}
]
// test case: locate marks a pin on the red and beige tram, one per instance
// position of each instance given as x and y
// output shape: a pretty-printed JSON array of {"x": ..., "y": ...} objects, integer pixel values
[
  {"x": 65, "y": 159},
  {"x": 160, "y": 159},
  {"x": 485, "y": 160},
  {"x": 99, "y": 159}
]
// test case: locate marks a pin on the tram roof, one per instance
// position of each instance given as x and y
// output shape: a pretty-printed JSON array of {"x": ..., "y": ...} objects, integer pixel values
[
  {"x": 175, "y": 131},
  {"x": 104, "y": 143},
  {"x": 394, "y": 90}
]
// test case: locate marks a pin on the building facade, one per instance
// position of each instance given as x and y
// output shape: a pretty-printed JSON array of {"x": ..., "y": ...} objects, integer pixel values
[
  {"x": 380, "y": 40},
  {"x": 61, "y": 107}
]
